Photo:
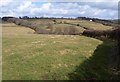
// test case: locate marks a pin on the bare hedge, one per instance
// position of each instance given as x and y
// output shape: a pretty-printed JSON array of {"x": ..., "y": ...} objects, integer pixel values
[
  {"x": 71, "y": 30},
  {"x": 113, "y": 34},
  {"x": 66, "y": 30},
  {"x": 41, "y": 31},
  {"x": 25, "y": 23},
  {"x": 97, "y": 33},
  {"x": 58, "y": 30}
]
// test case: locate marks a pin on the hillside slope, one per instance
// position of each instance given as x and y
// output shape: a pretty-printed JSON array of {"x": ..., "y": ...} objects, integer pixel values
[{"x": 29, "y": 56}]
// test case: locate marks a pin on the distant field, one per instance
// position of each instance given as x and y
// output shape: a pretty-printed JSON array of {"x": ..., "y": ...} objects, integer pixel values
[
  {"x": 29, "y": 56},
  {"x": 12, "y": 29},
  {"x": 84, "y": 23},
  {"x": 96, "y": 26},
  {"x": 41, "y": 21}
]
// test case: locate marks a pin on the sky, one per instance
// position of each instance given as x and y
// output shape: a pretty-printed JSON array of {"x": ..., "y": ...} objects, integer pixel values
[{"x": 104, "y": 9}]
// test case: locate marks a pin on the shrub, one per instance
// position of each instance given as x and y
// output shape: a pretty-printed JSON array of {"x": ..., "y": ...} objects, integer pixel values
[
  {"x": 6, "y": 18},
  {"x": 94, "y": 33},
  {"x": 58, "y": 30},
  {"x": 29, "y": 25},
  {"x": 65, "y": 22},
  {"x": 115, "y": 34},
  {"x": 66, "y": 30},
  {"x": 33, "y": 26},
  {"x": 12, "y": 20},
  {"x": 89, "y": 33},
  {"x": 87, "y": 28},
  {"x": 24, "y": 23},
  {"x": 107, "y": 24},
  {"x": 107, "y": 33},
  {"x": 60, "y": 22},
  {"x": 41, "y": 31},
  {"x": 18, "y": 21},
  {"x": 54, "y": 21},
  {"x": 49, "y": 26},
  {"x": 78, "y": 25},
  {"x": 70, "y": 30}
]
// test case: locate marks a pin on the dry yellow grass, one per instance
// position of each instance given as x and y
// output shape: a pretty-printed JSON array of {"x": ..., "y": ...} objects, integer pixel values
[
  {"x": 12, "y": 29},
  {"x": 85, "y": 23},
  {"x": 90, "y": 24}
]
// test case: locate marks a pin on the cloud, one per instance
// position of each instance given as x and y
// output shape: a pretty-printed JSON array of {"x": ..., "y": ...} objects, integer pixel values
[
  {"x": 5, "y": 2},
  {"x": 46, "y": 6},
  {"x": 102, "y": 5},
  {"x": 99, "y": 9},
  {"x": 24, "y": 6}
]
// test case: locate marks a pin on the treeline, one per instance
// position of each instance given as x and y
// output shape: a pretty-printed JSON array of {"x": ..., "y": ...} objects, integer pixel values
[
  {"x": 93, "y": 19},
  {"x": 27, "y": 17}
]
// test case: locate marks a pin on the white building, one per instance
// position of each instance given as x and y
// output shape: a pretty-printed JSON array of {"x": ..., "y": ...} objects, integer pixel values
[{"x": 90, "y": 20}]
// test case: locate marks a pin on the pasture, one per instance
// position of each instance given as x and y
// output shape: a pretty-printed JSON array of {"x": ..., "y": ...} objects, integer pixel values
[
  {"x": 84, "y": 23},
  {"x": 29, "y": 56}
]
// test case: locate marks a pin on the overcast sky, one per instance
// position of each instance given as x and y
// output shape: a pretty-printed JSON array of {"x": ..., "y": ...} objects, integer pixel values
[{"x": 104, "y": 9}]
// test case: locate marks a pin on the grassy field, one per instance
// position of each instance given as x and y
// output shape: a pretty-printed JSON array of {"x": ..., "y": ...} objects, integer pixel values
[
  {"x": 12, "y": 29},
  {"x": 89, "y": 24},
  {"x": 62, "y": 26},
  {"x": 83, "y": 23},
  {"x": 29, "y": 56},
  {"x": 96, "y": 26}
]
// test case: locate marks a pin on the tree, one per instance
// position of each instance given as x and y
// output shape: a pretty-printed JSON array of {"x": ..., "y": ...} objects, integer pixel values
[
  {"x": 25, "y": 17},
  {"x": 20, "y": 17}
]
